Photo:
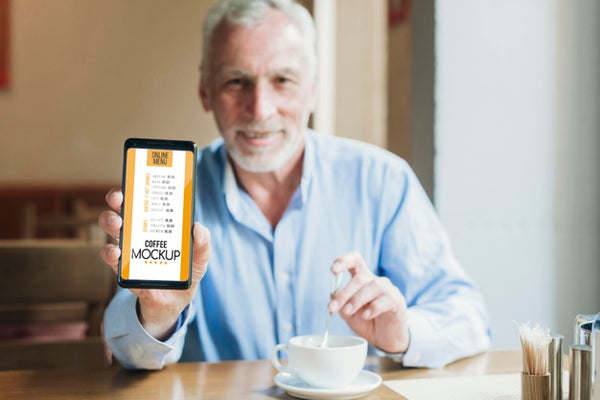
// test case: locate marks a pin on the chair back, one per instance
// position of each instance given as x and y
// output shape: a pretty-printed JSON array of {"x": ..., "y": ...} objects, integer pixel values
[{"x": 52, "y": 297}]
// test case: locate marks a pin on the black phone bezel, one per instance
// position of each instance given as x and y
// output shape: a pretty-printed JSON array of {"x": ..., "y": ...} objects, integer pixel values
[{"x": 166, "y": 144}]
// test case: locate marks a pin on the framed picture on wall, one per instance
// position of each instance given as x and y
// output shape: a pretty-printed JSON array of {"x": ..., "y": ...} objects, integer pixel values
[{"x": 4, "y": 44}]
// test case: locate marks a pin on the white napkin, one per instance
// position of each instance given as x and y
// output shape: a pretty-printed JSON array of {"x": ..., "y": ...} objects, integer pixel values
[{"x": 482, "y": 387}]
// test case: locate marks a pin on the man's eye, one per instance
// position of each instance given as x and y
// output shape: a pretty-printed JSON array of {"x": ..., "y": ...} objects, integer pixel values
[
  {"x": 235, "y": 82},
  {"x": 282, "y": 80}
]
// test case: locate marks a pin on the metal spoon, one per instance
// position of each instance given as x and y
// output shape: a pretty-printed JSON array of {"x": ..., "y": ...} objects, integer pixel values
[{"x": 336, "y": 283}]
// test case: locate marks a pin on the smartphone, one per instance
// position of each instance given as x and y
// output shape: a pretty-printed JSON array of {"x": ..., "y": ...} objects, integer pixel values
[{"x": 158, "y": 210}]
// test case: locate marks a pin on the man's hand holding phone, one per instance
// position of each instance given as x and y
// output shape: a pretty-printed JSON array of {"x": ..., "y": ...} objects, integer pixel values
[{"x": 158, "y": 309}]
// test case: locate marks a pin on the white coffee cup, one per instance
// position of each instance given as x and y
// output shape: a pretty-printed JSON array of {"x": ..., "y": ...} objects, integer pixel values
[{"x": 334, "y": 366}]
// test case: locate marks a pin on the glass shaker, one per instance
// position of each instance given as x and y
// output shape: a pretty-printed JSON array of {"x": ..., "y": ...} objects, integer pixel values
[{"x": 595, "y": 342}]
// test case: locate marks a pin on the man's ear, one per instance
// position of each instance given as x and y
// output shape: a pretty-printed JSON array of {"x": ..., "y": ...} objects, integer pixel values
[{"x": 203, "y": 93}]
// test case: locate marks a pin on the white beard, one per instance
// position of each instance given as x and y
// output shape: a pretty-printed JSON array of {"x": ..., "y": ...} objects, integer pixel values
[{"x": 261, "y": 161}]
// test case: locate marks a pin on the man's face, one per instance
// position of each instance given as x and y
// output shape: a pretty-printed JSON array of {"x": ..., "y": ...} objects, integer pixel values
[{"x": 261, "y": 91}]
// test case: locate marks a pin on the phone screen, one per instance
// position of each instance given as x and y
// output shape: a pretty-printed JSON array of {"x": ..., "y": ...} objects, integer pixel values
[{"x": 157, "y": 212}]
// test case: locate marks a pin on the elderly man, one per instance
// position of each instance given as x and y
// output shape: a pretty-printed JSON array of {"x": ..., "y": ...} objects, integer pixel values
[{"x": 279, "y": 208}]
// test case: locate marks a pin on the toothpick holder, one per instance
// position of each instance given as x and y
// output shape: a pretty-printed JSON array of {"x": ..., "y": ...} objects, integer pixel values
[{"x": 535, "y": 387}]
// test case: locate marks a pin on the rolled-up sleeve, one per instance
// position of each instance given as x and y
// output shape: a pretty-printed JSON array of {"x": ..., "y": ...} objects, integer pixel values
[{"x": 447, "y": 318}]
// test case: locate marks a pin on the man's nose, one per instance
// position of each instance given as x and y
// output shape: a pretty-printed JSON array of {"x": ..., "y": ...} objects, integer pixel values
[{"x": 262, "y": 102}]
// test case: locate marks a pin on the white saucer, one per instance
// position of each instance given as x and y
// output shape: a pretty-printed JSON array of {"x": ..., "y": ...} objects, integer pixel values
[{"x": 363, "y": 384}]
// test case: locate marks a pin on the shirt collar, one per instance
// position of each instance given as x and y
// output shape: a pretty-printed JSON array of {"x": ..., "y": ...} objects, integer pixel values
[
  {"x": 230, "y": 186},
  {"x": 308, "y": 164}
]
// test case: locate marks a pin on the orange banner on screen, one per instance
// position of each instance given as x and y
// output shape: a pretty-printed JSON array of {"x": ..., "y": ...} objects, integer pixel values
[
  {"x": 128, "y": 210},
  {"x": 160, "y": 158},
  {"x": 187, "y": 215}
]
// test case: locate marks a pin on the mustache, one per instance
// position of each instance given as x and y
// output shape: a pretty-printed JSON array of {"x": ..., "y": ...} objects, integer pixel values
[{"x": 257, "y": 127}]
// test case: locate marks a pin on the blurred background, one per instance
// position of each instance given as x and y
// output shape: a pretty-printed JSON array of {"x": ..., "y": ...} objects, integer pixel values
[{"x": 496, "y": 105}]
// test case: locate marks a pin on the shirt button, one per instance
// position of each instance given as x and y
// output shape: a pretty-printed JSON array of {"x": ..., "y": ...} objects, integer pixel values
[
  {"x": 285, "y": 278},
  {"x": 288, "y": 327}
]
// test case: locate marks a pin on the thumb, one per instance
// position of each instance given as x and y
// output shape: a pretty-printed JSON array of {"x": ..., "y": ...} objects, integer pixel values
[{"x": 202, "y": 249}]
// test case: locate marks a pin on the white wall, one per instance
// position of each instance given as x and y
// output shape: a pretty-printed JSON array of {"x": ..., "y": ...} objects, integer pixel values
[{"x": 509, "y": 147}]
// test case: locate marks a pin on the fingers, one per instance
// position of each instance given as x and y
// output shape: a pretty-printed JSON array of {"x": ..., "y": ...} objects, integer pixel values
[
  {"x": 352, "y": 262},
  {"x": 340, "y": 300},
  {"x": 373, "y": 299},
  {"x": 202, "y": 250},
  {"x": 361, "y": 275},
  {"x": 110, "y": 222},
  {"x": 366, "y": 294},
  {"x": 110, "y": 254},
  {"x": 114, "y": 198}
]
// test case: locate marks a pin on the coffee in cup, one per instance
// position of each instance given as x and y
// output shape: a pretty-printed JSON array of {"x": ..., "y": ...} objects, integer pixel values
[{"x": 334, "y": 366}]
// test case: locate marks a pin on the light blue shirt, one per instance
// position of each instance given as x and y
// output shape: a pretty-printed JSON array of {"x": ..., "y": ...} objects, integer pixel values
[{"x": 264, "y": 286}]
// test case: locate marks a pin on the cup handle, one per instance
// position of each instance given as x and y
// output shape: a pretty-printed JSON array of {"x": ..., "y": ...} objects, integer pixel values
[{"x": 275, "y": 360}]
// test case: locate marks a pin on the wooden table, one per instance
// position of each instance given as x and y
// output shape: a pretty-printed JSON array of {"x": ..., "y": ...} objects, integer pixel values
[{"x": 224, "y": 380}]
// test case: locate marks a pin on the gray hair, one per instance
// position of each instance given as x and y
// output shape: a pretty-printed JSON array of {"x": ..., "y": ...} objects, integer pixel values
[{"x": 249, "y": 12}]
